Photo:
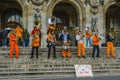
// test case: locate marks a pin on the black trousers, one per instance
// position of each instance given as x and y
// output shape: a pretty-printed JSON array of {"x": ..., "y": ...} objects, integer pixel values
[
  {"x": 33, "y": 48},
  {"x": 94, "y": 48},
  {"x": 49, "y": 50}
]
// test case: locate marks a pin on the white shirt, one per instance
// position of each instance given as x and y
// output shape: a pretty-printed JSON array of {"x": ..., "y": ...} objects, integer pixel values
[{"x": 79, "y": 38}]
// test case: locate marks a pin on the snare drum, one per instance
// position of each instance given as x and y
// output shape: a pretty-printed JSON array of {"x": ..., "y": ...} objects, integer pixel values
[{"x": 65, "y": 47}]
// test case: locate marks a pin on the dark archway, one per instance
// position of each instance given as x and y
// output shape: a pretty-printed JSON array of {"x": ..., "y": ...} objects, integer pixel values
[
  {"x": 113, "y": 22},
  {"x": 10, "y": 11},
  {"x": 67, "y": 13},
  {"x": 68, "y": 16}
]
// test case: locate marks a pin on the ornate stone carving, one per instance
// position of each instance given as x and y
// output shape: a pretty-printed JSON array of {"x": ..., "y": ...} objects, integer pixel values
[
  {"x": 39, "y": 2},
  {"x": 94, "y": 4}
]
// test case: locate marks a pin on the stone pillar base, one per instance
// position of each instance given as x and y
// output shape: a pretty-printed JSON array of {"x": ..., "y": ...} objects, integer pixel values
[{"x": 43, "y": 41}]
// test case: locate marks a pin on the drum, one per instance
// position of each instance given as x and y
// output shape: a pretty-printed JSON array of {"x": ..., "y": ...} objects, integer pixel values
[
  {"x": 52, "y": 44},
  {"x": 65, "y": 47}
]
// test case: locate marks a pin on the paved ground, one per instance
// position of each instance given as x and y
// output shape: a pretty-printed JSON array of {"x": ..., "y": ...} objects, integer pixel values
[{"x": 93, "y": 78}]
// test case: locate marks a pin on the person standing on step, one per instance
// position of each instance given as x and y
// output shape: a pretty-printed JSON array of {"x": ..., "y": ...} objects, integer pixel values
[
  {"x": 88, "y": 33},
  {"x": 95, "y": 40},
  {"x": 26, "y": 36},
  {"x": 51, "y": 43},
  {"x": 110, "y": 46},
  {"x": 19, "y": 32},
  {"x": 65, "y": 41},
  {"x": 79, "y": 37},
  {"x": 35, "y": 44},
  {"x": 13, "y": 43},
  {"x": 4, "y": 38}
]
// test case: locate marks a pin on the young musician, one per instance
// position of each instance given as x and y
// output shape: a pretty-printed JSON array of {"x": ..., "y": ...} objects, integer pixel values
[
  {"x": 19, "y": 31},
  {"x": 35, "y": 44},
  {"x": 110, "y": 46},
  {"x": 95, "y": 40},
  {"x": 51, "y": 43},
  {"x": 64, "y": 39},
  {"x": 88, "y": 33},
  {"x": 34, "y": 31},
  {"x": 13, "y": 43},
  {"x": 79, "y": 38}
]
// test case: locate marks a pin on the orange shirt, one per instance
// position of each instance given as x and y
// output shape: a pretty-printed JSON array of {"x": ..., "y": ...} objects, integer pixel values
[
  {"x": 95, "y": 41},
  {"x": 19, "y": 32},
  {"x": 36, "y": 42},
  {"x": 51, "y": 38},
  {"x": 88, "y": 34},
  {"x": 12, "y": 38},
  {"x": 33, "y": 32},
  {"x": 51, "y": 27}
]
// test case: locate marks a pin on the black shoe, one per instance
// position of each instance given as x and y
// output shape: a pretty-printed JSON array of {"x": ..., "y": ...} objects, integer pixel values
[
  {"x": 37, "y": 57},
  {"x": 31, "y": 57},
  {"x": 55, "y": 57},
  {"x": 16, "y": 57},
  {"x": 98, "y": 56},
  {"x": 84, "y": 56}
]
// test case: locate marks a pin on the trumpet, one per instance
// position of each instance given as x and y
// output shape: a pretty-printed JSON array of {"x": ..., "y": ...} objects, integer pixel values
[
  {"x": 111, "y": 35},
  {"x": 99, "y": 38},
  {"x": 97, "y": 35},
  {"x": 82, "y": 36}
]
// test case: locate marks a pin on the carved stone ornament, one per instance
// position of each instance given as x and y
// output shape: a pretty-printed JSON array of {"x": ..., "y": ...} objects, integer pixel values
[
  {"x": 39, "y": 2},
  {"x": 94, "y": 3}
]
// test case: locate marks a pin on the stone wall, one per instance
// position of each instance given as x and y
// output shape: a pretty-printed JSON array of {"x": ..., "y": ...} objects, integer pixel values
[{"x": 44, "y": 8}]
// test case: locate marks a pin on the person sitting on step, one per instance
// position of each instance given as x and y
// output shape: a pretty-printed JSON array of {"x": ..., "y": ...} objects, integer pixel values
[{"x": 65, "y": 41}]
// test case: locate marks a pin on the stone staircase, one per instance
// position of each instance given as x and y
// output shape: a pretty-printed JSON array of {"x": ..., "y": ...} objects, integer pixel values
[{"x": 24, "y": 67}]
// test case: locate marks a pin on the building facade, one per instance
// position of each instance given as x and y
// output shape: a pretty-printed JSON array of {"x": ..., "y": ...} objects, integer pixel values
[{"x": 100, "y": 14}]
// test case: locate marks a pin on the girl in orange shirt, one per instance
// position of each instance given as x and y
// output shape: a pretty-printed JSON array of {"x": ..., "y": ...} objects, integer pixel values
[
  {"x": 95, "y": 40},
  {"x": 35, "y": 44},
  {"x": 51, "y": 43},
  {"x": 13, "y": 43}
]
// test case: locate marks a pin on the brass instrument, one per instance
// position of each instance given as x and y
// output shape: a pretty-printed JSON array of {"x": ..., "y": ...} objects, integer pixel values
[
  {"x": 111, "y": 35},
  {"x": 37, "y": 23},
  {"x": 99, "y": 38},
  {"x": 52, "y": 19},
  {"x": 35, "y": 35},
  {"x": 82, "y": 36}
]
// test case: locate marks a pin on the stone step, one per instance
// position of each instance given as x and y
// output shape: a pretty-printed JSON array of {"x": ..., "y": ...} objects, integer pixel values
[
  {"x": 60, "y": 67},
  {"x": 25, "y": 68}
]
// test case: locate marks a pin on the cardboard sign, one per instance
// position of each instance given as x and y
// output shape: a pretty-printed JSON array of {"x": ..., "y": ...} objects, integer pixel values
[{"x": 83, "y": 71}]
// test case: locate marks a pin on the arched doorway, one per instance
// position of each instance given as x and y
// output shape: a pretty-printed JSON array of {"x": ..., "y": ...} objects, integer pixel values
[
  {"x": 10, "y": 11},
  {"x": 113, "y": 22},
  {"x": 67, "y": 14}
]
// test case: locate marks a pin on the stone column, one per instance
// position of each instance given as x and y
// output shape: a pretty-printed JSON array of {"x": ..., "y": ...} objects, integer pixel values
[
  {"x": 44, "y": 28},
  {"x": 100, "y": 26},
  {"x": 0, "y": 19},
  {"x": 30, "y": 20}
]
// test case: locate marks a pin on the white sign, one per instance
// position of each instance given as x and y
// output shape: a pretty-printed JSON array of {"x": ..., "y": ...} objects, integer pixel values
[{"x": 83, "y": 71}]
